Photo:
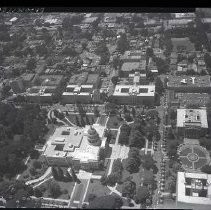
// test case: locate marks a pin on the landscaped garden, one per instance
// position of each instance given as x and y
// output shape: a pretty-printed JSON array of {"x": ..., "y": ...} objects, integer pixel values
[
  {"x": 114, "y": 122},
  {"x": 78, "y": 120},
  {"x": 96, "y": 188},
  {"x": 56, "y": 189}
]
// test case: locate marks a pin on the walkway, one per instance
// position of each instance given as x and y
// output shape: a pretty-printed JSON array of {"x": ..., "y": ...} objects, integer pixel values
[{"x": 46, "y": 174}]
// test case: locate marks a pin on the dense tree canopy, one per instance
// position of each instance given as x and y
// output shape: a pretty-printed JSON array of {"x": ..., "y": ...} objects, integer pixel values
[{"x": 27, "y": 126}]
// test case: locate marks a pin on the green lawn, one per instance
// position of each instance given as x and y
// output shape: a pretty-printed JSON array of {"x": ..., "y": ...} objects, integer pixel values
[
  {"x": 114, "y": 122},
  {"x": 65, "y": 186},
  {"x": 97, "y": 189}
]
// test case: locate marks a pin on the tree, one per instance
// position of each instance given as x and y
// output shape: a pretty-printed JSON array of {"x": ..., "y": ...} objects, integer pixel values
[
  {"x": 122, "y": 43},
  {"x": 134, "y": 153},
  {"x": 96, "y": 111},
  {"x": 124, "y": 134},
  {"x": 148, "y": 177},
  {"x": 38, "y": 193},
  {"x": 133, "y": 111},
  {"x": 204, "y": 142},
  {"x": 136, "y": 139},
  {"x": 101, "y": 154},
  {"x": 206, "y": 169},
  {"x": 159, "y": 86},
  {"x": 173, "y": 114},
  {"x": 34, "y": 154},
  {"x": 69, "y": 177},
  {"x": 112, "y": 179},
  {"x": 31, "y": 64},
  {"x": 55, "y": 173},
  {"x": 149, "y": 52},
  {"x": 77, "y": 121},
  {"x": 128, "y": 189},
  {"x": 110, "y": 108},
  {"x": 103, "y": 180},
  {"x": 114, "y": 80},
  {"x": 131, "y": 165},
  {"x": 141, "y": 195},
  {"x": 54, "y": 189},
  {"x": 60, "y": 173},
  {"x": 106, "y": 202},
  {"x": 147, "y": 162},
  {"x": 37, "y": 164}
]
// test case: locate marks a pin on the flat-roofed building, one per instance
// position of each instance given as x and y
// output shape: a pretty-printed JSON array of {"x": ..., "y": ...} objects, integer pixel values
[
  {"x": 129, "y": 67},
  {"x": 184, "y": 83},
  {"x": 194, "y": 188},
  {"x": 183, "y": 100},
  {"x": 134, "y": 94},
  {"x": 182, "y": 44},
  {"x": 79, "y": 147},
  {"x": 17, "y": 85},
  {"x": 50, "y": 80},
  {"x": 27, "y": 79},
  {"x": 133, "y": 56},
  {"x": 184, "y": 15},
  {"x": 41, "y": 94},
  {"x": 192, "y": 123},
  {"x": 77, "y": 94},
  {"x": 178, "y": 23}
]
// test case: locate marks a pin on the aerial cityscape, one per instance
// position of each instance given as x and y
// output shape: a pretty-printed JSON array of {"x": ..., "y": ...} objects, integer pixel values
[{"x": 105, "y": 110}]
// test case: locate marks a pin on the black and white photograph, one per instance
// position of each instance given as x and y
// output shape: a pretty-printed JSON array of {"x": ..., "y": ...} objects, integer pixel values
[{"x": 105, "y": 109}]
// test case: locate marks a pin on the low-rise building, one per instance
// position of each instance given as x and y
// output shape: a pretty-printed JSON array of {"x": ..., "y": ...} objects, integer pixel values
[
  {"x": 77, "y": 147},
  {"x": 184, "y": 83},
  {"x": 194, "y": 188},
  {"x": 177, "y": 99},
  {"x": 41, "y": 94},
  {"x": 134, "y": 94},
  {"x": 17, "y": 85},
  {"x": 192, "y": 123},
  {"x": 133, "y": 56}
]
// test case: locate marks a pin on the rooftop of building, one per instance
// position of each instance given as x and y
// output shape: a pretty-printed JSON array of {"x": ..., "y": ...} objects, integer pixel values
[
  {"x": 50, "y": 80},
  {"x": 200, "y": 99},
  {"x": 194, "y": 188},
  {"x": 192, "y": 117},
  {"x": 180, "y": 21},
  {"x": 79, "y": 90},
  {"x": 184, "y": 80},
  {"x": 184, "y": 43},
  {"x": 129, "y": 66},
  {"x": 89, "y": 20},
  {"x": 73, "y": 142},
  {"x": 41, "y": 90},
  {"x": 139, "y": 90},
  {"x": 28, "y": 77}
]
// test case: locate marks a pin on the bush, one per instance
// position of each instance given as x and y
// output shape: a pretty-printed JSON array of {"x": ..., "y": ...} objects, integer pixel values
[
  {"x": 32, "y": 171},
  {"x": 38, "y": 193},
  {"x": 37, "y": 164}
]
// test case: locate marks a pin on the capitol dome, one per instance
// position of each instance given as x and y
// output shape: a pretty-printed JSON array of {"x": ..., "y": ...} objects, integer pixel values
[{"x": 93, "y": 136}]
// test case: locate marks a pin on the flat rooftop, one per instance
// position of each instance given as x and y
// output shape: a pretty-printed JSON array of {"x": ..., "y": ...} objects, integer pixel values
[
  {"x": 50, "y": 80},
  {"x": 75, "y": 89},
  {"x": 139, "y": 90},
  {"x": 183, "y": 81},
  {"x": 129, "y": 66},
  {"x": 41, "y": 90},
  {"x": 185, "y": 43},
  {"x": 194, "y": 188},
  {"x": 200, "y": 99},
  {"x": 72, "y": 142},
  {"x": 192, "y": 117}
]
